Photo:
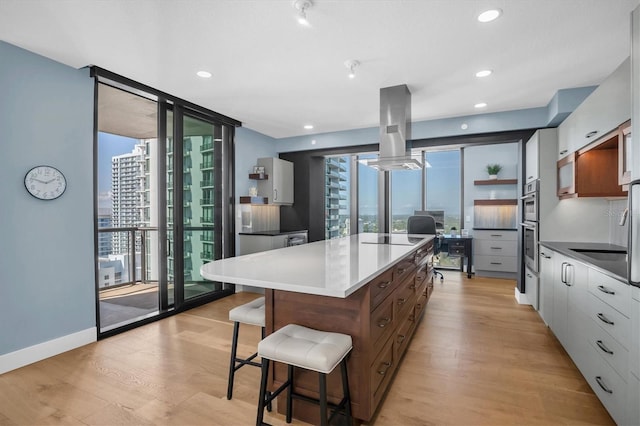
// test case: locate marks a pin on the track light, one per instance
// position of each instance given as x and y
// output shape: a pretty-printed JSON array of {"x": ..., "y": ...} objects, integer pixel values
[
  {"x": 302, "y": 6},
  {"x": 351, "y": 65}
]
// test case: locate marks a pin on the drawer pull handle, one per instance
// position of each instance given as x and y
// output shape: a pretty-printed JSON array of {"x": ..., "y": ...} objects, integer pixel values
[
  {"x": 384, "y": 285},
  {"x": 385, "y": 322},
  {"x": 401, "y": 338},
  {"x": 496, "y": 248},
  {"x": 401, "y": 302},
  {"x": 496, "y": 263},
  {"x": 420, "y": 278},
  {"x": 543, "y": 254},
  {"x": 604, "y": 319},
  {"x": 564, "y": 151},
  {"x": 603, "y": 347},
  {"x": 605, "y": 290},
  {"x": 496, "y": 235},
  {"x": 604, "y": 388},
  {"x": 591, "y": 134},
  {"x": 386, "y": 364},
  {"x": 400, "y": 271}
]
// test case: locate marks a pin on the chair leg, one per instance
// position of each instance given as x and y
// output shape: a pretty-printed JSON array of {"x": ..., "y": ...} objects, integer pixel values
[
  {"x": 263, "y": 392},
  {"x": 232, "y": 362},
  {"x": 345, "y": 390},
  {"x": 323, "y": 399},
  {"x": 289, "y": 391}
]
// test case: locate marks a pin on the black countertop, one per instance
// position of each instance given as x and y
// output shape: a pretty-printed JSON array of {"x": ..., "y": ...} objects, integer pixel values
[
  {"x": 273, "y": 233},
  {"x": 615, "y": 269}
]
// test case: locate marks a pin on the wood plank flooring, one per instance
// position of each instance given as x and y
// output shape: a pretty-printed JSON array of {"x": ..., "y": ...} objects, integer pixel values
[{"x": 477, "y": 358}]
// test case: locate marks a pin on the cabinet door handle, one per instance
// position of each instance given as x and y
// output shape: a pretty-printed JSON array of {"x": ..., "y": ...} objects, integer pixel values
[
  {"x": 388, "y": 364},
  {"x": 401, "y": 302},
  {"x": 530, "y": 177},
  {"x": 384, "y": 284},
  {"x": 529, "y": 275},
  {"x": 605, "y": 290},
  {"x": 602, "y": 346},
  {"x": 591, "y": 134},
  {"x": 604, "y": 319},
  {"x": 401, "y": 338},
  {"x": 543, "y": 254},
  {"x": 604, "y": 388},
  {"x": 564, "y": 151},
  {"x": 385, "y": 322}
]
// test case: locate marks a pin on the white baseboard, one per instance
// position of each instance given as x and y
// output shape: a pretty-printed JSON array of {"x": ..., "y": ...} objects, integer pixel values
[
  {"x": 521, "y": 298},
  {"x": 44, "y": 350}
]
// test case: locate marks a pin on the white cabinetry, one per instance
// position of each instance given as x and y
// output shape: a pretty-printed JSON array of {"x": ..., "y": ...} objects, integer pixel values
[
  {"x": 604, "y": 110},
  {"x": 531, "y": 161},
  {"x": 255, "y": 243},
  {"x": 278, "y": 188},
  {"x": 545, "y": 308},
  {"x": 569, "y": 299},
  {"x": 495, "y": 252}
]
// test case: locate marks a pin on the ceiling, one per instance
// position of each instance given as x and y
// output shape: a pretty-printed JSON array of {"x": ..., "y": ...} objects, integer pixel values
[{"x": 275, "y": 75}]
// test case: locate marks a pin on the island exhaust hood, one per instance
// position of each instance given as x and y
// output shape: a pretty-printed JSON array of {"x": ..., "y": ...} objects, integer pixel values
[{"x": 395, "y": 131}]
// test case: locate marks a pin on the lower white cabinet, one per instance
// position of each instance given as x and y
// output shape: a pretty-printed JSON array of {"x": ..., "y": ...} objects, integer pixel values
[
  {"x": 495, "y": 252},
  {"x": 596, "y": 318},
  {"x": 545, "y": 296}
]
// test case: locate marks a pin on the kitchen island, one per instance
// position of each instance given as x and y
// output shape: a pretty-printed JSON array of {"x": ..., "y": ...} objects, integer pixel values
[{"x": 373, "y": 287}]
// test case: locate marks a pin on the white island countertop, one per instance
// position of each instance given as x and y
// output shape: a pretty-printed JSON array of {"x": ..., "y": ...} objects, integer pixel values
[{"x": 336, "y": 267}]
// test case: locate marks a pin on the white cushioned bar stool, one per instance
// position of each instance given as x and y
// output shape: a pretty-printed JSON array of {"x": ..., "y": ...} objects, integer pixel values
[
  {"x": 315, "y": 350},
  {"x": 249, "y": 313}
]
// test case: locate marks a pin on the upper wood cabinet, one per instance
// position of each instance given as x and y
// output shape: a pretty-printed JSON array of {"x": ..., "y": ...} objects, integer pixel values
[
  {"x": 591, "y": 171},
  {"x": 603, "y": 111}
]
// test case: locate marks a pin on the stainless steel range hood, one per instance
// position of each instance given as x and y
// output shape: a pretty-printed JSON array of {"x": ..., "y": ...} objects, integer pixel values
[{"x": 395, "y": 131}]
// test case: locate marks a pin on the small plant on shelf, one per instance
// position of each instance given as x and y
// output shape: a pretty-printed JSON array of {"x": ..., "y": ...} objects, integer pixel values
[{"x": 493, "y": 170}]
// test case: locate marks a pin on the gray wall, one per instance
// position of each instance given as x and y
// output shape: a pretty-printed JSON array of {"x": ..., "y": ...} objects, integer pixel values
[{"x": 47, "y": 279}]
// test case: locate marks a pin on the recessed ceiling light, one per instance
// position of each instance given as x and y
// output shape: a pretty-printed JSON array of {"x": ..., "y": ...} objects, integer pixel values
[
  {"x": 480, "y": 105},
  {"x": 308, "y": 126},
  {"x": 484, "y": 73},
  {"x": 204, "y": 74},
  {"x": 489, "y": 15}
]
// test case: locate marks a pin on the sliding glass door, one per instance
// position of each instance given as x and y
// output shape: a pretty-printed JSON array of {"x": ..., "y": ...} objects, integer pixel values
[{"x": 164, "y": 175}]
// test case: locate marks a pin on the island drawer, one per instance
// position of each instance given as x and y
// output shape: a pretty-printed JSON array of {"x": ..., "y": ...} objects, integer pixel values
[
  {"x": 611, "y": 291},
  {"x": 403, "y": 269},
  {"x": 495, "y": 263},
  {"x": 382, "y": 321},
  {"x": 402, "y": 337},
  {"x": 495, "y": 235},
  {"x": 380, "y": 287},
  {"x": 608, "y": 385},
  {"x": 382, "y": 370},
  {"x": 421, "y": 274},
  {"x": 496, "y": 247},
  {"x": 405, "y": 297}
]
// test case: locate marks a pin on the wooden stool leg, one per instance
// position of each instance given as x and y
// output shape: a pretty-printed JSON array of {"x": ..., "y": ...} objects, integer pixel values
[
  {"x": 323, "y": 399},
  {"x": 232, "y": 362},
  {"x": 345, "y": 390},
  {"x": 263, "y": 392}
]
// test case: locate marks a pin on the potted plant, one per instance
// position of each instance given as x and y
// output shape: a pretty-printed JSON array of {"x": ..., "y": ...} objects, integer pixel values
[{"x": 493, "y": 170}]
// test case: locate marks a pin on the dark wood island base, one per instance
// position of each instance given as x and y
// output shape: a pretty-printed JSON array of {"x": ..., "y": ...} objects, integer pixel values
[{"x": 381, "y": 318}]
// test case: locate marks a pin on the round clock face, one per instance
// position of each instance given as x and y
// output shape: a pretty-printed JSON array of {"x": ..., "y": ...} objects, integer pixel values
[{"x": 45, "y": 182}]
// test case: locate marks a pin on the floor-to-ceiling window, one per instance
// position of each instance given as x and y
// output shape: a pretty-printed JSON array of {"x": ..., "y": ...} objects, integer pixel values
[
  {"x": 368, "y": 195},
  {"x": 163, "y": 170}
]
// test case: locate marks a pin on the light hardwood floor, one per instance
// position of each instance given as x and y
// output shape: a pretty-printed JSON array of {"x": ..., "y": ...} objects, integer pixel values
[{"x": 477, "y": 358}]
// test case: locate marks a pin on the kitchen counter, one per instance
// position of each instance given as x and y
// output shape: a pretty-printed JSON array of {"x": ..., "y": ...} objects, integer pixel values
[
  {"x": 272, "y": 233},
  {"x": 336, "y": 268},
  {"x": 614, "y": 269}
]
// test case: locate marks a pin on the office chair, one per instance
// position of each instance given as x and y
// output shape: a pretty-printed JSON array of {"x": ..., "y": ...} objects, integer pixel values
[{"x": 423, "y": 224}]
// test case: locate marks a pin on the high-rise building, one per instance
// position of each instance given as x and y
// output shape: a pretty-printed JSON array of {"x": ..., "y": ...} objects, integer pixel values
[
  {"x": 127, "y": 186},
  {"x": 336, "y": 197},
  {"x": 105, "y": 243}
]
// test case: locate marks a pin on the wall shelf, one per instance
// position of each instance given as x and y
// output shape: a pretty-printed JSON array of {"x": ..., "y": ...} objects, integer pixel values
[
  {"x": 500, "y": 202},
  {"x": 253, "y": 200},
  {"x": 496, "y": 182},
  {"x": 258, "y": 176}
]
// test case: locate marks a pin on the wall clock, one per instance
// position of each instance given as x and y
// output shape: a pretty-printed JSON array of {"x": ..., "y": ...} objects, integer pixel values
[{"x": 45, "y": 182}]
